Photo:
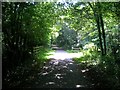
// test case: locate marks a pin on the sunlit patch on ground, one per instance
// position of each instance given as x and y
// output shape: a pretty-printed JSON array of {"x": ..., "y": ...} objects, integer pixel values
[
  {"x": 62, "y": 55},
  {"x": 50, "y": 83},
  {"x": 85, "y": 70},
  {"x": 78, "y": 86},
  {"x": 62, "y": 71}
]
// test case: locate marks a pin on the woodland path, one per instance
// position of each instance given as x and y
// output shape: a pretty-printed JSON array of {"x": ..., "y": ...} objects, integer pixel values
[{"x": 62, "y": 72}]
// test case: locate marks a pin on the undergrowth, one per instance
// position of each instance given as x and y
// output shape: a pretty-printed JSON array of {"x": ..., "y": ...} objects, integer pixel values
[
  {"x": 104, "y": 72},
  {"x": 25, "y": 73}
]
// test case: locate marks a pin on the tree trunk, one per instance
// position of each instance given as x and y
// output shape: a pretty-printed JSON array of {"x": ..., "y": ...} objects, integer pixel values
[
  {"x": 97, "y": 18},
  {"x": 103, "y": 33},
  {"x": 99, "y": 31},
  {"x": 102, "y": 26}
]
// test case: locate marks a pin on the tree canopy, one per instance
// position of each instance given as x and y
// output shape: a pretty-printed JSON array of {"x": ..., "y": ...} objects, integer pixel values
[{"x": 94, "y": 26}]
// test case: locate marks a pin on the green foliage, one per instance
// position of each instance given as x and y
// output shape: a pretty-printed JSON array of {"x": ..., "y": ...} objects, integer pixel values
[
  {"x": 25, "y": 26},
  {"x": 73, "y": 51},
  {"x": 44, "y": 18},
  {"x": 29, "y": 28},
  {"x": 16, "y": 40},
  {"x": 104, "y": 69},
  {"x": 40, "y": 53},
  {"x": 67, "y": 38},
  {"x": 91, "y": 56}
]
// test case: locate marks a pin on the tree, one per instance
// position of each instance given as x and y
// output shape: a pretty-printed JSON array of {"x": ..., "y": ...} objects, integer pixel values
[
  {"x": 67, "y": 38},
  {"x": 99, "y": 20},
  {"x": 25, "y": 26}
]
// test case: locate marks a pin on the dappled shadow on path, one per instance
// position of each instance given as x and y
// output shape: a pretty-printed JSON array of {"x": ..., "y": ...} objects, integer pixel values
[{"x": 61, "y": 72}]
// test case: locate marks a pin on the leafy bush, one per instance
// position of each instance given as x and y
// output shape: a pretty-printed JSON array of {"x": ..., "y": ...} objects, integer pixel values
[{"x": 104, "y": 69}]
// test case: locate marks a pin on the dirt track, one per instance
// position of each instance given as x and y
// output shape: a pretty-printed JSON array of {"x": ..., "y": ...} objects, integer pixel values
[{"x": 62, "y": 72}]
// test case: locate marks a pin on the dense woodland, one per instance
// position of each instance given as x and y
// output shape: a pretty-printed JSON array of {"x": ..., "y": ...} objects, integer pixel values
[{"x": 30, "y": 29}]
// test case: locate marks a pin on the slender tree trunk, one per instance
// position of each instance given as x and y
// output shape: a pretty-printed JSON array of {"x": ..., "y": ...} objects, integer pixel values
[
  {"x": 103, "y": 33},
  {"x": 99, "y": 31},
  {"x": 97, "y": 18},
  {"x": 102, "y": 26}
]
